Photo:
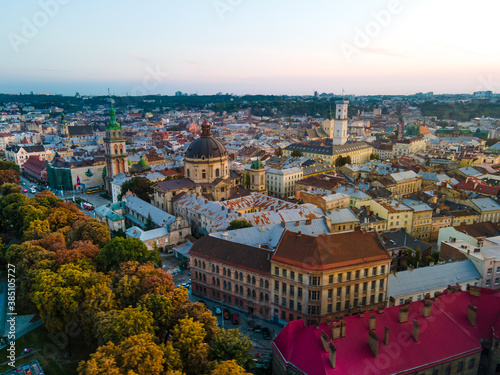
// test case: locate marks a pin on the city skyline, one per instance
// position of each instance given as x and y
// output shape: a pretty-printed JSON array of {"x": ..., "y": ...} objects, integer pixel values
[{"x": 235, "y": 46}]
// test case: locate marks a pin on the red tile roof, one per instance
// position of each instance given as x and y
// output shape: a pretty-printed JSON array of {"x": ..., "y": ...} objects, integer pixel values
[
  {"x": 330, "y": 251},
  {"x": 478, "y": 186},
  {"x": 444, "y": 335}
]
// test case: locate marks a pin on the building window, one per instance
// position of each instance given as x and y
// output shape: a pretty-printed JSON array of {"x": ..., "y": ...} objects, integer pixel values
[
  {"x": 330, "y": 293},
  {"x": 382, "y": 270},
  {"x": 315, "y": 280},
  {"x": 357, "y": 274},
  {"x": 447, "y": 370},
  {"x": 488, "y": 282},
  {"x": 365, "y": 287},
  {"x": 338, "y": 306},
  {"x": 276, "y": 285},
  {"x": 330, "y": 279},
  {"x": 300, "y": 278},
  {"x": 381, "y": 284},
  {"x": 329, "y": 308},
  {"x": 284, "y": 273},
  {"x": 203, "y": 174},
  {"x": 292, "y": 291},
  {"x": 347, "y": 290},
  {"x": 266, "y": 283},
  {"x": 276, "y": 299},
  {"x": 276, "y": 271},
  {"x": 374, "y": 284},
  {"x": 292, "y": 275},
  {"x": 283, "y": 301},
  {"x": 299, "y": 306},
  {"x": 290, "y": 305},
  {"x": 217, "y": 172},
  {"x": 349, "y": 276},
  {"x": 374, "y": 271},
  {"x": 490, "y": 270},
  {"x": 299, "y": 292},
  {"x": 283, "y": 288},
  {"x": 339, "y": 278},
  {"x": 460, "y": 366},
  {"x": 497, "y": 281},
  {"x": 471, "y": 362},
  {"x": 339, "y": 292}
]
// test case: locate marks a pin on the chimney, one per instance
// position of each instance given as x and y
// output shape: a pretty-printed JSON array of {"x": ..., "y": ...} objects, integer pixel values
[
  {"x": 427, "y": 307},
  {"x": 386, "y": 335},
  {"x": 333, "y": 355},
  {"x": 381, "y": 309},
  {"x": 373, "y": 320},
  {"x": 223, "y": 208},
  {"x": 373, "y": 342},
  {"x": 392, "y": 301},
  {"x": 342, "y": 328},
  {"x": 336, "y": 330},
  {"x": 471, "y": 314},
  {"x": 297, "y": 223},
  {"x": 403, "y": 314},
  {"x": 262, "y": 228},
  {"x": 325, "y": 341},
  {"x": 449, "y": 290},
  {"x": 475, "y": 291},
  {"x": 437, "y": 295}
]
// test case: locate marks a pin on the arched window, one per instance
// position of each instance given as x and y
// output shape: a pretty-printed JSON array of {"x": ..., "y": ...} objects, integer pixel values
[
  {"x": 241, "y": 290},
  {"x": 236, "y": 275},
  {"x": 224, "y": 271},
  {"x": 241, "y": 276},
  {"x": 217, "y": 269},
  {"x": 196, "y": 262},
  {"x": 228, "y": 286},
  {"x": 218, "y": 282},
  {"x": 267, "y": 298},
  {"x": 203, "y": 174},
  {"x": 228, "y": 272},
  {"x": 204, "y": 278},
  {"x": 188, "y": 172},
  {"x": 204, "y": 265},
  {"x": 261, "y": 297},
  {"x": 253, "y": 179},
  {"x": 261, "y": 283},
  {"x": 249, "y": 292},
  {"x": 217, "y": 173},
  {"x": 254, "y": 296},
  {"x": 225, "y": 284},
  {"x": 248, "y": 279},
  {"x": 213, "y": 280},
  {"x": 213, "y": 268},
  {"x": 253, "y": 280},
  {"x": 267, "y": 284}
]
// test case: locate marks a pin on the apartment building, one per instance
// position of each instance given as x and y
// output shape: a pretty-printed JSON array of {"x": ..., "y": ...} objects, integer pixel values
[
  {"x": 281, "y": 182},
  {"x": 397, "y": 214}
]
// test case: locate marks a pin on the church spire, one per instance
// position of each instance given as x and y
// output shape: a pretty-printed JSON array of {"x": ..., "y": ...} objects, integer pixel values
[{"x": 113, "y": 124}]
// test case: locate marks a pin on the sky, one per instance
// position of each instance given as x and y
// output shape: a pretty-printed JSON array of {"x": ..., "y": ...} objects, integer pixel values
[{"x": 294, "y": 47}]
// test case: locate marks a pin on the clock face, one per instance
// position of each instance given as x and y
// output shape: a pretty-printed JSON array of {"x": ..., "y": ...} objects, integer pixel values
[{"x": 89, "y": 172}]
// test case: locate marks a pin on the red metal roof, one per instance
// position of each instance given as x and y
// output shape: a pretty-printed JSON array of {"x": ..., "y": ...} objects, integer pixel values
[{"x": 445, "y": 334}]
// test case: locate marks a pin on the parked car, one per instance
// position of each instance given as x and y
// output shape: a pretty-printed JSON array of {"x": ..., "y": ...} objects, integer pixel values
[
  {"x": 25, "y": 191},
  {"x": 251, "y": 324},
  {"x": 225, "y": 313},
  {"x": 257, "y": 328},
  {"x": 266, "y": 333},
  {"x": 236, "y": 318},
  {"x": 218, "y": 311},
  {"x": 33, "y": 190},
  {"x": 88, "y": 206}
]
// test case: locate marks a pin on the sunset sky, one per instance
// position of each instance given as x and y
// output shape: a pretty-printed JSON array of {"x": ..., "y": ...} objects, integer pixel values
[{"x": 249, "y": 46}]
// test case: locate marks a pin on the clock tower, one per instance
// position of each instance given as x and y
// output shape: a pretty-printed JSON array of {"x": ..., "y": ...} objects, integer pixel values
[{"x": 115, "y": 152}]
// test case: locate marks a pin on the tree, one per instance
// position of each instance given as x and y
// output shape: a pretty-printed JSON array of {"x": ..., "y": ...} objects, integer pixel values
[
  {"x": 342, "y": 160},
  {"x": 79, "y": 250},
  {"x": 89, "y": 230},
  {"x": 137, "y": 355},
  {"x": 120, "y": 250},
  {"x": 9, "y": 176},
  {"x": 229, "y": 368},
  {"x": 161, "y": 308},
  {"x": 10, "y": 188},
  {"x": 246, "y": 179},
  {"x": 149, "y": 223},
  {"x": 278, "y": 152},
  {"x": 187, "y": 338},
  {"x": 237, "y": 224},
  {"x": 8, "y": 165},
  {"x": 140, "y": 186},
  {"x": 117, "y": 325},
  {"x": 232, "y": 345},
  {"x": 296, "y": 153},
  {"x": 374, "y": 156},
  {"x": 199, "y": 313}
]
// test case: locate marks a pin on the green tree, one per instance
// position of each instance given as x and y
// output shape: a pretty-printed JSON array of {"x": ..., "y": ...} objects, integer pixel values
[
  {"x": 374, "y": 156},
  {"x": 9, "y": 176},
  {"x": 161, "y": 308},
  {"x": 117, "y": 325},
  {"x": 8, "y": 165},
  {"x": 296, "y": 153},
  {"x": 149, "y": 223},
  {"x": 187, "y": 338},
  {"x": 278, "y": 152},
  {"x": 237, "y": 224},
  {"x": 140, "y": 186},
  {"x": 246, "y": 179},
  {"x": 89, "y": 230},
  {"x": 10, "y": 188},
  {"x": 232, "y": 345},
  {"x": 120, "y": 250},
  {"x": 229, "y": 368},
  {"x": 136, "y": 355},
  {"x": 342, "y": 160}
]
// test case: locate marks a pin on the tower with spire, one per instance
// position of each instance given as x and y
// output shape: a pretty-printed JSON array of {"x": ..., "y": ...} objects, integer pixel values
[
  {"x": 340, "y": 123},
  {"x": 64, "y": 126},
  {"x": 115, "y": 150}
]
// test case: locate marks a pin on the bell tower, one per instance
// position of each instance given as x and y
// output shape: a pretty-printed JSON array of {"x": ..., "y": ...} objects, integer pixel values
[
  {"x": 115, "y": 150},
  {"x": 340, "y": 123},
  {"x": 257, "y": 175}
]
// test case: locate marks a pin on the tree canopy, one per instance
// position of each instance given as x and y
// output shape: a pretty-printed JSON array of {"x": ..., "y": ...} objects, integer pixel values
[
  {"x": 237, "y": 224},
  {"x": 140, "y": 186},
  {"x": 120, "y": 250}
]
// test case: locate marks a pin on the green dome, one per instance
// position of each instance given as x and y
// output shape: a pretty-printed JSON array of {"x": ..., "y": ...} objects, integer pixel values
[
  {"x": 104, "y": 171},
  {"x": 257, "y": 164},
  {"x": 143, "y": 162},
  {"x": 129, "y": 162}
]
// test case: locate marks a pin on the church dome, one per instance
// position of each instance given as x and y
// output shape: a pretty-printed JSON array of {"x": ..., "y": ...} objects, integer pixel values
[
  {"x": 205, "y": 146},
  {"x": 143, "y": 162},
  {"x": 257, "y": 164}
]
